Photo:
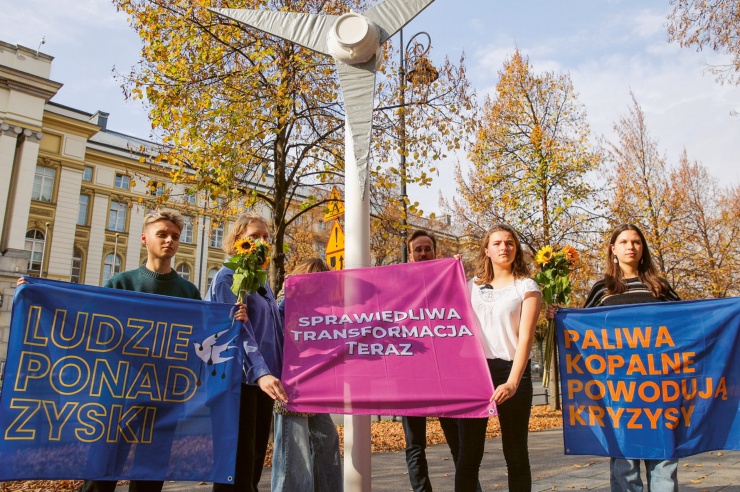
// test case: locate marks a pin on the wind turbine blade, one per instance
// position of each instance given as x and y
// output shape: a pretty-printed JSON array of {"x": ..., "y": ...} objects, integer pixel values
[
  {"x": 358, "y": 89},
  {"x": 307, "y": 30},
  {"x": 392, "y": 15}
]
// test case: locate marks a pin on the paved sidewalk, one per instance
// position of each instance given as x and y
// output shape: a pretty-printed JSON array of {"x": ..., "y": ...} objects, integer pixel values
[{"x": 551, "y": 470}]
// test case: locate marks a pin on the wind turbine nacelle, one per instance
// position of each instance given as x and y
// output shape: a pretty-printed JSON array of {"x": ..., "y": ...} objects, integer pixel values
[{"x": 353, "y": 39}]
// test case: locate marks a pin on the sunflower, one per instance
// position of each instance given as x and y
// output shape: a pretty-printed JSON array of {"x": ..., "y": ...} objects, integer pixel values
[
  {"x": 244, "y": 246},
  {"x": 570, "y": 254},
  {"x": 265, "y": 249},
  {"x": 544, "y": 255},
  {"x": 268, "y": 248}
]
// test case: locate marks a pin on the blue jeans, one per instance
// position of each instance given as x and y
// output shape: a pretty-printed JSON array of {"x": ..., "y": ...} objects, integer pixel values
[
  {"x": 662, "y": 475},
  {"x": 306, "y": 455}
]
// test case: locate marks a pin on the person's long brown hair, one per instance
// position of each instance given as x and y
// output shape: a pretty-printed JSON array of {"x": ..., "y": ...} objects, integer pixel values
[
  {"x": 484, "y": 266},
  {"x": 645, "y": 269}
]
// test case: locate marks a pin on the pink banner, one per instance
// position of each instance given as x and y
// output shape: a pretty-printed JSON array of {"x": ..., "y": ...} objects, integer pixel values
[{"x": 392, "y": 340}]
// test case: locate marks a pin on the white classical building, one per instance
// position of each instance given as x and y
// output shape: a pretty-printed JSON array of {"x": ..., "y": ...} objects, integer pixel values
[{"x": 73, "y": 194}]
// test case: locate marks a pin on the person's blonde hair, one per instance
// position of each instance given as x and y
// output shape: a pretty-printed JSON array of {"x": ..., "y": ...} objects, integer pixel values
[
  {"x": 240, "y": 227},
  {"x": 311, "y": 265},
  {"x": 164, "y": 214}
]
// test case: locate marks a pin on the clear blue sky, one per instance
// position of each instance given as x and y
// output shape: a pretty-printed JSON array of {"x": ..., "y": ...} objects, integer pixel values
[{"x": 607, "y": 46}]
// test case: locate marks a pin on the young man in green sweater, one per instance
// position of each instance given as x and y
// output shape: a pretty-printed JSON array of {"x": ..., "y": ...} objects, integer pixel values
[{"x": 161, "y": 237}]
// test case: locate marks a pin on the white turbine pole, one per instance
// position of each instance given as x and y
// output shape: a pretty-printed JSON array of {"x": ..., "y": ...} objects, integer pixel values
[
  {"x": 354, "y": 41},
  {"x": 357, "y": 438}
]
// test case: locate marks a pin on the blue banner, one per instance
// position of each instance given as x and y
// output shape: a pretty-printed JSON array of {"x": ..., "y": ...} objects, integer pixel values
[
  {"x": 110, "y": 385},
  {"x": 651, "y": 381}
]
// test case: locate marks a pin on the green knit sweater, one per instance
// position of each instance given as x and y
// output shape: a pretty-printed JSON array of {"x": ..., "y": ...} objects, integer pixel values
[{"x": 144, "y": 280}]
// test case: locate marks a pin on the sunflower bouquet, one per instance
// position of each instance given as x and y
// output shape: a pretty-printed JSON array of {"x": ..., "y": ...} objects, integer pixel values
[
  {"x": 553, "y": 279},
  {"x": 250, "y": 266}
]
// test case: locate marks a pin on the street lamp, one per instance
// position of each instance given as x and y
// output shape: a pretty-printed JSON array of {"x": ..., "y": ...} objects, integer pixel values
[{"x": 414, "y": 67}]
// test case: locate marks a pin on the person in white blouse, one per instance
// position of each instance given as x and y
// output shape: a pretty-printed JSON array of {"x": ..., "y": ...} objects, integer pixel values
[{"x": 507, "y": 303}]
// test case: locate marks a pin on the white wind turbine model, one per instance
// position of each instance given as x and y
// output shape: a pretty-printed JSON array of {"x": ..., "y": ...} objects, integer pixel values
[{"x": 354, "y": 40}]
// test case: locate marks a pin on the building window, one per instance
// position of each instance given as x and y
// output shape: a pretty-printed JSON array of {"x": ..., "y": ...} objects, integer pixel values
[
  {"x": 117, "y": 216},
  {"x": 184, "y": 270},
  {"x": 43, "y": 184},
  {"x": 82, "y": 213},
  {"x": 211, "y": 274},
  {"x": 191, "y": 198},
  {"x": 155, "y": 188},
  {"x": 122, "y": 181},
  {"x": 35, "y": 245},
  {"x": 217, "y": 236},
  {"x": 87, "y": 174},
  {"x": 75, "y": 274},
  {"x": 111, "y": 266},
  {"x": 187, "y": 230}
]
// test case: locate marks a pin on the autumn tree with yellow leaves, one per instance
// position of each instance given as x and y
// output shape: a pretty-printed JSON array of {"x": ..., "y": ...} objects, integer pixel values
[
  {"x": 691, "y": 223},
  {"x": 386, "y": 218},
  {"x": 248, "y": 117},
  {"x": 640, "y": 190},
  {"x": 434, "y": 97},
  {"x": 531, "y": 162},
  {"x": 709, "y": 232},
  {"x": 713, "y": 24}
]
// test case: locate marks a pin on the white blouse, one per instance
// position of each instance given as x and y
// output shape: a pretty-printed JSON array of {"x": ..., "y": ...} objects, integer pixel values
[{"x": 499, "y": 312}]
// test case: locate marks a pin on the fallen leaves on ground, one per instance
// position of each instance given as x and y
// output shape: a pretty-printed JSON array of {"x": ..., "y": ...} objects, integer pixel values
[
  {"x": 387, "y": 436},
  {"x": 41, "y": 485}
]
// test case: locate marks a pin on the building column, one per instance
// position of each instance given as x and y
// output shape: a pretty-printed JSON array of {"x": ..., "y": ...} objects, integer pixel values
[
  {"x": 19, "y": 202},
  {"x": 94, "y": 260},
  {"x": 65, "y": 221},
  {"x": 8, "y": 141},
  {"x": 135, "y": 227},
  {"x": 200, "y": 275}
]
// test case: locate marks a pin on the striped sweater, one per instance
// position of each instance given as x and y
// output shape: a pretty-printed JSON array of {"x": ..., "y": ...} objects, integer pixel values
[{"x": 636, "y": 293}]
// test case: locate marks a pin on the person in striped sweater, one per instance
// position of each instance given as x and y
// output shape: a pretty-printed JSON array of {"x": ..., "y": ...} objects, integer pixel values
[{"x": 631, "y": 278}]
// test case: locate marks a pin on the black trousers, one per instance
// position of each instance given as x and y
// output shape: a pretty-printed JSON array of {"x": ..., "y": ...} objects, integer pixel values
[
  {"x": 255, "y": 419},
  {"x": 513, "y": 416},
  {"x": 133, "y": 486},
  {"x": 415, "y": 431}
]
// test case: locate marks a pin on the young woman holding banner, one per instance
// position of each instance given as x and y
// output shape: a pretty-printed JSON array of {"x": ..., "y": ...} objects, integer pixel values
[
  {"x": 507, "y": 303},
  {"x": 631, "y": 278},
  {"x": 264, "y": 364},
  {"x": 306, "y": 454}
]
